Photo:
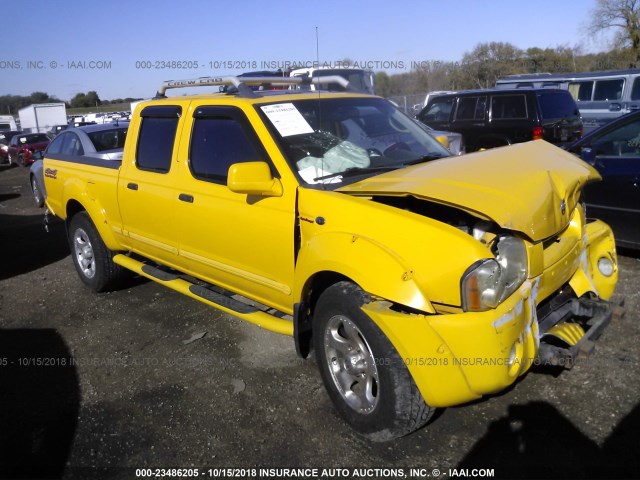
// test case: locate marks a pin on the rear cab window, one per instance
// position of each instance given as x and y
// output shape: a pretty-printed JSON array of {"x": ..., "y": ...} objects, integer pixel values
[
  {"x": 108, "y": 139},
  {"x": 157, "y": 137}
]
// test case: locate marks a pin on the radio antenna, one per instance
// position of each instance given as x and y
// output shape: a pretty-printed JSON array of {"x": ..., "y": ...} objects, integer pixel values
[
  {"x": 317, "y": 61},
  {"x": 318, "y": 89}
]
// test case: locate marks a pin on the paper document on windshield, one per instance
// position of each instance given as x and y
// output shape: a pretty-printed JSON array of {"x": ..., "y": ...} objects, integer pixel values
[{"x": 287, "y": 119}]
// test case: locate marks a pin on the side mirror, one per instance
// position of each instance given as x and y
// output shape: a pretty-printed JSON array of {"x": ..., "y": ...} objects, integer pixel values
[
  {"x": 253, "y": 178},
  {"x": 38, "y": 155},
  {"x": 588, "y": 154}
]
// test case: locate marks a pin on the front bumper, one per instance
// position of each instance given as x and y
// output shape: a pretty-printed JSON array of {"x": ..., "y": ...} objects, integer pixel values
[
  {"x": 576, "y": 337},
  {"x": 459, "y": 357},
  {"x": 455, "y": 358}
]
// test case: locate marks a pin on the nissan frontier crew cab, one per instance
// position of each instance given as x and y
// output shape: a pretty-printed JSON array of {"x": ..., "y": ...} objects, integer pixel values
[{"x": 419, "y": 280}]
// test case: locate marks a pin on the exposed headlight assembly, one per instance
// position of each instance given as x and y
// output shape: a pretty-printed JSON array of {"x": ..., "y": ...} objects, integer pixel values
[{"x": 490, "y": 281}]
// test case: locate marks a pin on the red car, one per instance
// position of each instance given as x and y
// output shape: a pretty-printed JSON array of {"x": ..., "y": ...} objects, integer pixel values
[
  {"x": 5, "y": 138},
  {"x": 22, "y": 147}
]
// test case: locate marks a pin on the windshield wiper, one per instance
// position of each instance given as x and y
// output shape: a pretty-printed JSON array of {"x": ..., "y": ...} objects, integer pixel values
[{"x": 353, "y": 171}]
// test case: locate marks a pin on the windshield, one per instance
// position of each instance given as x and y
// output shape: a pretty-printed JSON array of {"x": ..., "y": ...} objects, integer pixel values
[{"x": 334, "y": 141}]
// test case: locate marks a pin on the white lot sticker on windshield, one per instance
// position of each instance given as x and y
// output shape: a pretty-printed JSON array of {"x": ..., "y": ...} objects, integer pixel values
[{"x": 287, "y": 119}]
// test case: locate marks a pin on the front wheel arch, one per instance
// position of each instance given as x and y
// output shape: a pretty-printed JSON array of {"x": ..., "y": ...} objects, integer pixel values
[
  {"x": 302, "y": 323},
  {"x": 365, "y": 377}
]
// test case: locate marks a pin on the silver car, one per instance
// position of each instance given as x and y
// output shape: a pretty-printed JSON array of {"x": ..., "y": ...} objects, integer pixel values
[
  {"x": 451, "y": 140},
  {"x": 102, "y": 142}
]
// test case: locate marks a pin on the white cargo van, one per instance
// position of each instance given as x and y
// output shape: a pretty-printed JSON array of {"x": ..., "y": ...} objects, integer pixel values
[{"x": 7, "y": 122}]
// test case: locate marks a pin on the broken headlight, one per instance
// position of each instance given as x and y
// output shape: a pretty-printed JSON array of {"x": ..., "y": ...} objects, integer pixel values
[{"x": 490, "y": 281}]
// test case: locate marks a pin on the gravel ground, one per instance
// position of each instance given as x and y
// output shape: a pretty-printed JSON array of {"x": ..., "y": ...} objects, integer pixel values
[{"x": 132, "y": 394}]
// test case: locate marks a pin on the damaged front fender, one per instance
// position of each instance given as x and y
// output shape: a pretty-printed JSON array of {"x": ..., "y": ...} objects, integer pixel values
[
  {"x": 377, "y": 269},
  {"x": 598, "y": 272}
]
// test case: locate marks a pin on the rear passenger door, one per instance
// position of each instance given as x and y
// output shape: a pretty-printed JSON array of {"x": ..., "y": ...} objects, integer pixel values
[
  {"x": 146, "y": 185},
  {"x": 470, "y": 119},
  {"x": 510, "y": 120},
  {"x": 241, "y": 242}
]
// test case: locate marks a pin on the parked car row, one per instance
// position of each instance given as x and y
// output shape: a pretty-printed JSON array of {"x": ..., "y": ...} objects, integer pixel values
[
  {"x": 103, "y": 142},
  {"x": 461, "y": 121},
  {"x": 21, "y": 146},
  {"x": 498, "y": 117}
]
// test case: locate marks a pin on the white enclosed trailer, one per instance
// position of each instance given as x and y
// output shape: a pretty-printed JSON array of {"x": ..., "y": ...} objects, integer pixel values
[{"x": 41, "y": 117}]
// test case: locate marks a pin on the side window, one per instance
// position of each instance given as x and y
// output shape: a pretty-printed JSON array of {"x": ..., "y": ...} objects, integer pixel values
[
  {"x": 438, "y": 111},
  {"x": 581, "y": 91},
  {"x": 608, "y": 89},
  {"x": 471, "y": 108},
  {"x": 508, "y": 107},
  {"x": 72, "y": 145},
  {"x": 220, "y": 138},
  {"x": 635, "y": 90},
  {"x": 157, "y": 137},
  {"x": 620, "y": 142},
  {"x": 56, "y": 145}
]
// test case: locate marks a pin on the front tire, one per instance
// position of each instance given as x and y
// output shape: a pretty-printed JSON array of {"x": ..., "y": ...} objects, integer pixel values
[
  {"x": 91, "y": 257},
  {"x": 365, "y": 377}
]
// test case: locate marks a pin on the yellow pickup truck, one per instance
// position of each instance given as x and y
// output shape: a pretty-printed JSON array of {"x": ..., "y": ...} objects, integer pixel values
[{"x": 419, "y": 279}]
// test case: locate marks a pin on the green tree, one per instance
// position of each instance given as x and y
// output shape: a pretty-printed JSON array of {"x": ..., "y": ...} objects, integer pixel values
[
  {"x": 383, "y": 84},
  {"x": 489, "y": 61},
  {"x": 79, "y": 101},
  {"x": 92, "y": 99},
  {"x": 623, "y": 16},
  {"x": 39, "y": 97}
]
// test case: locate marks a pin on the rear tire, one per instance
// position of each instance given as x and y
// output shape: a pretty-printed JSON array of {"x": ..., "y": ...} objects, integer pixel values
[
  {"x": 37, "y": 195},
  {"x": 365, "y": 377},
  {"x": 91, "y": 257}
]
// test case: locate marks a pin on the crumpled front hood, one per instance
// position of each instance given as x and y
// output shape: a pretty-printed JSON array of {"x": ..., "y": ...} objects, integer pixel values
[{"x": 529, "y": 187}]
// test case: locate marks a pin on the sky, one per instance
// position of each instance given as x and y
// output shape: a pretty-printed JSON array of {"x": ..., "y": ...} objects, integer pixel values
[{"x": 126, "y": 48}]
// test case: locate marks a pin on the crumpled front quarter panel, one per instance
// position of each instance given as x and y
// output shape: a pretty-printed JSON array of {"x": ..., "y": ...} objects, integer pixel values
[{"x": 391, "y": 253}]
